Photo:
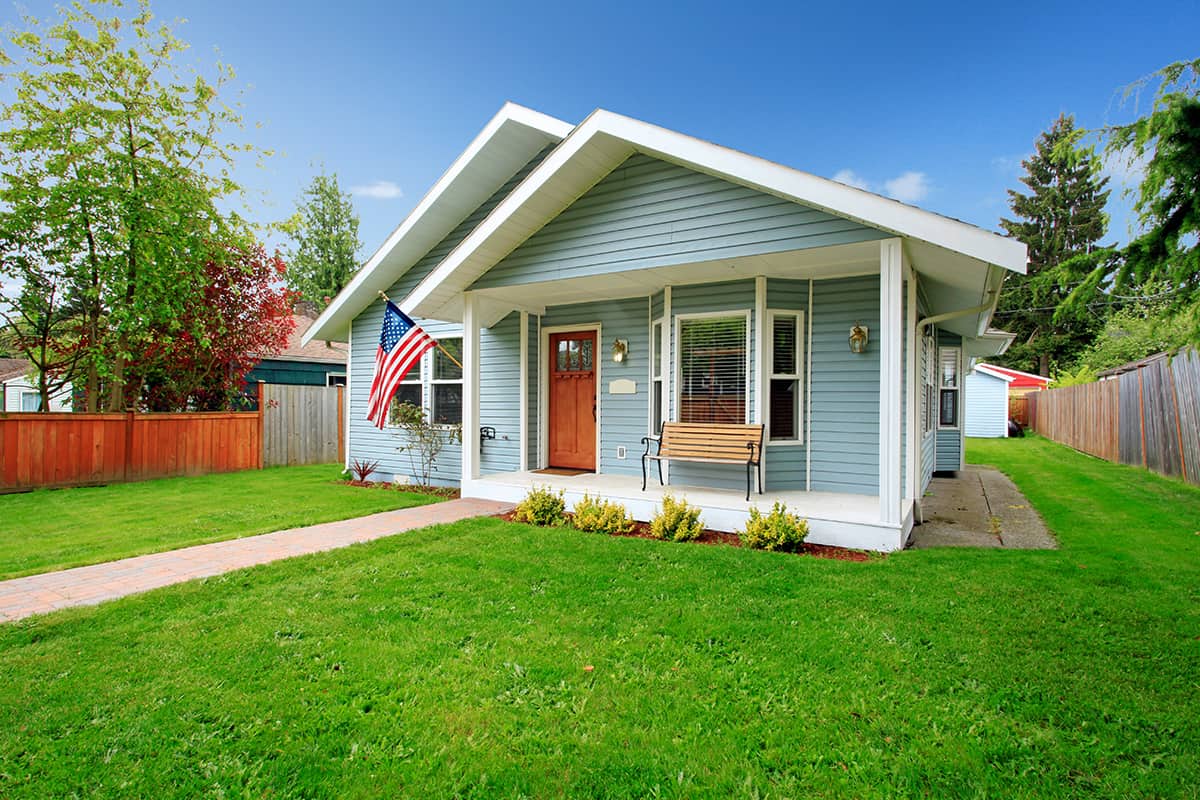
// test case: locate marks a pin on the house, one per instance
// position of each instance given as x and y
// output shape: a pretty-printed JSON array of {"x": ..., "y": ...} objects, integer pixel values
[
  {"x": 303, "y": 362},
  {"x": 1022, "y": 383},
  {"x": 987, "y": 413},
  {"x": 19, "y": 392},
  {"x": 729, "y": 285}
]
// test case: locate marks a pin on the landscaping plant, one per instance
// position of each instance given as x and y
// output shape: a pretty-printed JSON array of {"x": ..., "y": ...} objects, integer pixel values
[
  {"x": 676, "y": 521},
  {"x": 362, "y": 469},
  {"x": 542, "y": 507},
  {"x": 601, "y": 516},
  {"x": 779, "y": 530},
  {"x": 424, "y": 439}
]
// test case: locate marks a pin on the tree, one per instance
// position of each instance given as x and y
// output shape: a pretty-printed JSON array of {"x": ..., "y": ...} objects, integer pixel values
[
  {"x": 1148, "y": 325},
  {"x": 112, "y": 167},
  {"x": 241, "y": 315},
  {"x": 1062, "y": 216},
  {"x": 1167, "y": 201},
  {"x": 325, "y": 231}
]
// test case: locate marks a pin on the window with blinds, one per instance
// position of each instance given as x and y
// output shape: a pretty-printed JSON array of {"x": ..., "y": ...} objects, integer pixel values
[
  {"x": 656, "y": 372},
  {"x": 713, "y": 372},
  {"x": 786, "y": 367},
  {"x": 948, "y": 372}
]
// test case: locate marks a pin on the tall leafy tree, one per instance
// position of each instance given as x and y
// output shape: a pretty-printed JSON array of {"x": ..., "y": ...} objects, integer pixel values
[
  {"x": 324, "y": 230},
  {"x": 1060, "y": 217},
  {"x": 113, "y": 164},
  {"x": 1167, "y": 200}
]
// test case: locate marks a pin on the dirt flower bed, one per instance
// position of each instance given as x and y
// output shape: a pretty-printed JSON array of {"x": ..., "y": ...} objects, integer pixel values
[
  {"x": 447, "y": 492},
  {"x": 641, "y": 530}
]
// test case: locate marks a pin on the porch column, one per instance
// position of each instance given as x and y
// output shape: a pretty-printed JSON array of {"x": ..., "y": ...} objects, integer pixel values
[
  {"x": 912, "y": 480},
  {"x": 470, "y": 411},
  {"x": 891, "y": 276},
  {"x": 523, "y": 398}
]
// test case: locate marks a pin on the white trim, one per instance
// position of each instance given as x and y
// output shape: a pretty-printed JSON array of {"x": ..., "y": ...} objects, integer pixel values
[
  {"x": 668, "y": 373},
  {"x": 544, "y": 387},
  {"x": 911, "y": 464},
  {"x": 678, "y": 366},
  {"x": 523, "y": 397},
  {"x": 958, "y": 387},
  {"x": 664, "y": 366},
  {"x": 993, "y": 372},
  {"x": 605, "y": 132},
  {"x": 891, "y": 257},
  {"x": 360, "y": 292},
  {"x": 346, "y": 391},
  {"x": 808, "y": 396},
  {"x": 470, "y": 415},
  {"x": 760, "y": 367},
  {"x": 798, "y": 376}
]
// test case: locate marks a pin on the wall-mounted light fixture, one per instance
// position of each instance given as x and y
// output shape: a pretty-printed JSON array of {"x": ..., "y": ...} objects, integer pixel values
[
  {"x": 858, "y": 339},
  {"x": 620, "y": 350}
]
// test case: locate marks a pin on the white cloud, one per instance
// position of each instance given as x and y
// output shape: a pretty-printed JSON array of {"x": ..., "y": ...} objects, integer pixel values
[
  {"x": 852, "y": 178},
  {"x": 908, "y": 188},
  {"x": 377, "y": 190}
]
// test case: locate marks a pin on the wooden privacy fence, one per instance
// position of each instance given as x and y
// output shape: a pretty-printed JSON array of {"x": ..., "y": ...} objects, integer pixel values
[
  {"x": 301, "y": 424},
  {"x": 40, "y": 450},
  {"x": 1148, "y": 417},
  {"x": 294, "y": 425},
  {"x": 1018, "y": 409}
]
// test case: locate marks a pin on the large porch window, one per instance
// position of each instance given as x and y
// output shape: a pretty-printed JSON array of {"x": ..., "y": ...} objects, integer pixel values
[{"x": 713, "y": 368}]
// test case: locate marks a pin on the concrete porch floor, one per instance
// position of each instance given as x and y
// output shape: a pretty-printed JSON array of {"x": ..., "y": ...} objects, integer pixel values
[{"x": 980, "y": 507}]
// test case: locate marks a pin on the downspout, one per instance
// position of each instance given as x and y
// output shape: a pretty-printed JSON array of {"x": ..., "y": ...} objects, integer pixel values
[{"x": 992, "y": 295}]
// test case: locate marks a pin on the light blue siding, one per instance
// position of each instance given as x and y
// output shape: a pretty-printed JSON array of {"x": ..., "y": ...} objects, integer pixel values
[
  {"x": 785, "y": 464},
  {"x": 623, "y": 417},
  {"x": 950, "y": 440},
  {"x": 845, "y": 387},
  {"x": 987, "y": 413},
  {"x": 366, "y": 442},
  {"x": 649, "y": 213},
  {"x": 500, "y": 395}
]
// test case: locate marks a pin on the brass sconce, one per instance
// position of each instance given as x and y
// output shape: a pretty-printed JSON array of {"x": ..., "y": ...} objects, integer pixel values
[
  {"x": 620, "y": 350},
  {"x": 858, "y": 339}
]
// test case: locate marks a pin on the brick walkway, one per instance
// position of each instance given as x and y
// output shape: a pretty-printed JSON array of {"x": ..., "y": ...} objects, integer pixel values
[{"x": 82, "y": 586}]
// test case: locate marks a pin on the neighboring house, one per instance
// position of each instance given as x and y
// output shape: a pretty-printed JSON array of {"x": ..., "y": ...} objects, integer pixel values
[
  {"x": 1022, "y": 383},
  {"x": 314, "y": 363},
  {"x": 733, "y": 281},
  {"x": 987, "y": 413},
  {"x": 18, "y": 390}
]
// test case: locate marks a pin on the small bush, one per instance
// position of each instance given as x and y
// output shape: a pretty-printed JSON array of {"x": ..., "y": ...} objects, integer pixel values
[
  {"x": 601, "y": 516},
  {"x": 676, "y": 521},
  {"x": 362, "y": 469},
  {"x": 779, "y": 530},
  {"x": 541, "y": 507}
]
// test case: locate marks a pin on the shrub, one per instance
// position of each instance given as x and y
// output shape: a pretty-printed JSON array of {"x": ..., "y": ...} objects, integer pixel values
[
  {"x": 677, "y": 521},
  {"x": 779, "y": 530},
  {"x": 601, "y": 516},
  {"x": 541, "y": 507},
  {"x": 362, "y": 469}
]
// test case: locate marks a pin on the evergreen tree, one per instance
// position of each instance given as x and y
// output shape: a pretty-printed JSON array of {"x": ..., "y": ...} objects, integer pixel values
[
  {"x": 325, "y": 232},
  {"x": 1061, "y": 217}
]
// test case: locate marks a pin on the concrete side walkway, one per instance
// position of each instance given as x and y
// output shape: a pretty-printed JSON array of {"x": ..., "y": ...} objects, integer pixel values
[
  {"x": 38, "y": 594},
  {"x": 980, "y": 507}
]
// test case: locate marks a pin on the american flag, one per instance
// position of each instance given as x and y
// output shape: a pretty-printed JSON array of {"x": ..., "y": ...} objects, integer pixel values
[{"x": 401, "y": 345}]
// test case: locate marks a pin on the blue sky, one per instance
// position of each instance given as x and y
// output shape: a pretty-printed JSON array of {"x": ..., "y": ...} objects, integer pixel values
[{"x": 933, "y": 104}]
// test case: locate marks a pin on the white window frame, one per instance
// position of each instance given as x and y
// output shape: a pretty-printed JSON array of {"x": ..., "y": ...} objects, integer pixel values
[
  {"x": 659, "y": 369},
  {"x": 418, "y": 369},
  {"x": 929, "y": 383},
  {"x": 957, "y": 388},
  {"x": 434, "y": 381},
  {"x": 678, "y": 352},
  {"x": 798, "y": 376}
]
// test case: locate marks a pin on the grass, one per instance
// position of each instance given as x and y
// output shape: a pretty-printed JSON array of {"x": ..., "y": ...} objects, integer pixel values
[
  {"x": 56, "y": 529},
  {"x": 490, "y": 659}
]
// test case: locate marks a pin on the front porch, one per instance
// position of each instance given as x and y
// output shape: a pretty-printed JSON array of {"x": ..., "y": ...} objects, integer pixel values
[{"x": 842, "y": 520}]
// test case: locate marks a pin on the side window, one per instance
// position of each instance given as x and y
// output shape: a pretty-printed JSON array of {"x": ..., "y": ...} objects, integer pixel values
[
  {"x": 447, "y": 384},
  {"x": 786, "y": 389},
  {"x": 948, "y": 385}
]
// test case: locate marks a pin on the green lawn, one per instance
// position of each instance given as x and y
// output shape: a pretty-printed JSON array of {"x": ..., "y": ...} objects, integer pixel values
[
  {"x": 455, "y": 662},
  {"x": 56, "y": 529}
]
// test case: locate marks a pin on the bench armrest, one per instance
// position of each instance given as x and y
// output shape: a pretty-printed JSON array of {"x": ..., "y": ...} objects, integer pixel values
[{"x": 647, "y": 440}]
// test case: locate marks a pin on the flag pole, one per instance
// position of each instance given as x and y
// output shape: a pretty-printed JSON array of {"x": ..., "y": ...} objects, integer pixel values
[{"x": 447, "y": 353}]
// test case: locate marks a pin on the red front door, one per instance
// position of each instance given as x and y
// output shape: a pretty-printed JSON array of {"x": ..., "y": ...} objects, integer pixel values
[{"x": 572, "y": 432}]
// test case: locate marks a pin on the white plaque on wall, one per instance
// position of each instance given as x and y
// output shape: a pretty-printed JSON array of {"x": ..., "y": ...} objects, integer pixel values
[{"x": 622, "y": 386}]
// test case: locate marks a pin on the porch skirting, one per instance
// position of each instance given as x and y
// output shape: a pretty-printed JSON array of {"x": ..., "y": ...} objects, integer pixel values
[{"x": 841, "y": 520}]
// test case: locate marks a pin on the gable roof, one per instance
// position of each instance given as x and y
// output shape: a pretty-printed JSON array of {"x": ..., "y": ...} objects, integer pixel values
[
  {"x": 507, "y": 143},
  {"x": 328, "y": 352},
  {"x": 991, "y": 372},
  {"x": 604, "y": 140},
  {"x": 1018, "y": 378}
]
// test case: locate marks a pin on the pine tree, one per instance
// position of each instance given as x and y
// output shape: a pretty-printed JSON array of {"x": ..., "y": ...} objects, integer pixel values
[
  {"x": 325, "y": 232},
  {"x": 1062, "y": 216}
]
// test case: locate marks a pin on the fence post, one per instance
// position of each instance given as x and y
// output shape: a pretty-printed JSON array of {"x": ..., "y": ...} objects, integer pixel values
[
  {"x": 1178, "y": 426},
  {"x": 262, "y": 439}
]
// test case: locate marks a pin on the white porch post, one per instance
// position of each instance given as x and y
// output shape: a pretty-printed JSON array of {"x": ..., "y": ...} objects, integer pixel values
[
  {"x": 760, "y": 358},
  {"x": 523, "y": 398},
  {"x": 470, "y": 413},
  {"x": 890, "y": 283},
  {"x": 912, "y": 480}
]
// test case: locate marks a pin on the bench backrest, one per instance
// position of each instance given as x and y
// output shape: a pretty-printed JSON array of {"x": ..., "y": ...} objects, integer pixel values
[{"x": 710, "y": 440}]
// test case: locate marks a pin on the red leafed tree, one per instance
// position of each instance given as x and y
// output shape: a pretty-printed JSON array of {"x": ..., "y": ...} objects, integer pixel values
[{"x": 242, "y": 314}]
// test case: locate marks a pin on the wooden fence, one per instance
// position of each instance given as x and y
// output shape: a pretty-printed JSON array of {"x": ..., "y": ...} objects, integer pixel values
[
  {"x": 295, "y": 425},
  {"x": 1148, "y": 417},
  {"x": 301, "y": 424},
  {"x": 1018, "y": 409}
]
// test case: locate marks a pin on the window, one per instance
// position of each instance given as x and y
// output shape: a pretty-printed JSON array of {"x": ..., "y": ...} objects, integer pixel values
[
  {"x": 948, "y": 385},
  {"x": 447, "y": 383},
  {"x": 337, "y": 378},
  {"x": 929, "y": 373},
  {"x": 787, "y": 364},
  {"x": 31, "y": 401},
  {"x": 411, "y": 389},
  {"x": 712, "y": 369},
  {"x": 657, "y": 356}
]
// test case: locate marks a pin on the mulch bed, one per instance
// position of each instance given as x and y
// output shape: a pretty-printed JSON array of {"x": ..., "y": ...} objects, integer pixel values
[
  {"x": 641, "y": 530},
  {"x": 447, "y": 492}
]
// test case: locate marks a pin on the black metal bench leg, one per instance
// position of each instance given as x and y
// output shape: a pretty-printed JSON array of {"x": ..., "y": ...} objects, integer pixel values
[
  {"x": 644, "y": 473},
  {"x": 759, "y": 465},
  {"x": 749, "y": 479},
  {"x": 660, "y": 480}
]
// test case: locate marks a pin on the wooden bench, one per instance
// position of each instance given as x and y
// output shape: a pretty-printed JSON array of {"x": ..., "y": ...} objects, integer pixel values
[{"x": 706, "y": 443}]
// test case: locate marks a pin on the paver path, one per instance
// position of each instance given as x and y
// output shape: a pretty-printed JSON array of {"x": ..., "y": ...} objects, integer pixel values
[{"x": 38, "y": 594}]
